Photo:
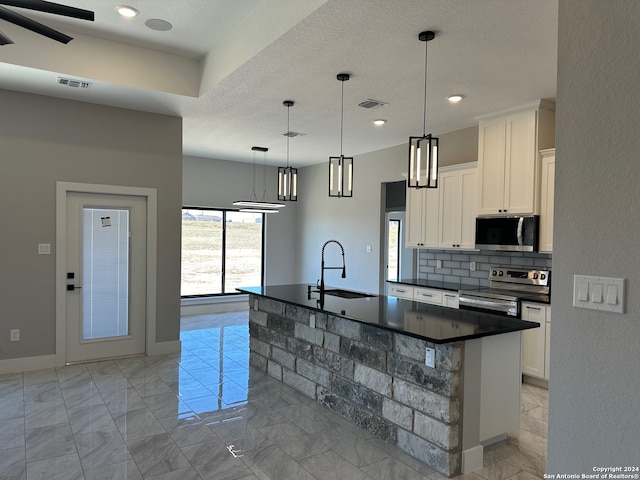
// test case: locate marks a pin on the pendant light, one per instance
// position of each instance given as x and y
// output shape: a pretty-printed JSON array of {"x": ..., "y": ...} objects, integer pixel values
[
  {"x": 341, "y": 168},
  {"x": 253, "y": 205},
  {"x": 288, "y": 177},
  {"x": 423, "y": 151}
]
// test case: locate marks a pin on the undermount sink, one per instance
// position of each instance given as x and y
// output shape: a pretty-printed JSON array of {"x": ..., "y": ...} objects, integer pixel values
[{"x": 338, "y": 292}]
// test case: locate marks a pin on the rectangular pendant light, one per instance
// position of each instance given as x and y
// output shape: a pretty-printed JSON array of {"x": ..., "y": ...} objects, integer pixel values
[
  {"x": 287, "y": 184},
  {"x": 423, "y": 151},
  {"x": 341, "y": 176},
  {"x": 423, "y": 162}
]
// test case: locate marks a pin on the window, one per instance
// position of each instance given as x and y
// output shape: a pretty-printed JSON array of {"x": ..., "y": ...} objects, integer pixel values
[
  {"x": 393, "y": 250},
  {"x": 221, "y": 250}
]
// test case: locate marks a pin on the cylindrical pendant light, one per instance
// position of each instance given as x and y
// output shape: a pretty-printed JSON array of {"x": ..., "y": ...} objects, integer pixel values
[
  {"x": 288, "y": 177},
  {"x": 341, "y": 168},
  {"x": 423, "y": 151}
]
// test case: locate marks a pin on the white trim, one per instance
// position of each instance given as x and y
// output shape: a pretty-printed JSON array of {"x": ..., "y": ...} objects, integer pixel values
[
  {"x": 542, "y": 104},
  {"x": 165, "y": 348},
  {"x": 204, "y": 305},
  {"x": 25, "y": 364},
  {"x": 151, "y": 194},
  {"x": 472, "y": 459}
]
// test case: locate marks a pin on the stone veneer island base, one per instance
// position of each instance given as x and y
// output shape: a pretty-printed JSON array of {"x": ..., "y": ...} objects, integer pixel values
[{"x": 377, "y": 378}]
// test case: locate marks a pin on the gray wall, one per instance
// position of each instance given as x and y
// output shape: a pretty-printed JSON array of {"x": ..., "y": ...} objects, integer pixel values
[
  {"x": 594, "y": 403},
  {"x": 218, "y": 183},
  {"x": 44, "y": 140},
  {"x": 355, "y": 222}
]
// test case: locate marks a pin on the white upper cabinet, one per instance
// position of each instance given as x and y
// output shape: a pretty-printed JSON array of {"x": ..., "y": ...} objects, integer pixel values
[
  {"x": 422, "y": 208},
  {"x": 508, "y": 160},
  {"x": 547, "y": 184},
  {"x": 457, "y": 214},
  {"x": 444, "y": 217}
]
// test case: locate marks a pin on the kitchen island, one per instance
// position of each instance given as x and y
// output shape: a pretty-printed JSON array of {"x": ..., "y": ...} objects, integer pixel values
[{"x": 365, "y": 358}]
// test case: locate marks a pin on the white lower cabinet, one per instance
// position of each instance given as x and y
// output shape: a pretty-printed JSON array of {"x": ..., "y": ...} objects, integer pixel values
[
  {"x": 433, "y": 296},
  {"x": 428, "y": 295},
  {"x": 451, "y": 300},
  {"x": 400, "y": 291},
  {"x": 535, "y": 341}
]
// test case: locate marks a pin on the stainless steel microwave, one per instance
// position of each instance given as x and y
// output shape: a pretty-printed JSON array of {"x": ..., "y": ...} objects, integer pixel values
[{"x": 512, "y": 234}]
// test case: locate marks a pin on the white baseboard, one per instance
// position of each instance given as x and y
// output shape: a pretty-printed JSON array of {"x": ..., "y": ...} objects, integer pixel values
[
  {"x": 26, "y": 364},
  {"x": 203, "y": 306},
  {"x": 164, "y": 348},
  {"x": 472, "y": 459}
]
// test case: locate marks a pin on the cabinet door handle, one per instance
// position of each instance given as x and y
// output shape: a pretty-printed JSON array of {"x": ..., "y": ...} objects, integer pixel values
[
  {"x": 532, "y": 308},
  {"x": 400, "y": 291}
]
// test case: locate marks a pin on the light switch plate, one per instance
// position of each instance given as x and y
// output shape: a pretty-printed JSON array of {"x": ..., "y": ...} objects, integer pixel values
[
  {"x": 604, "y": 294},
  {"x": 312, "y": 320},
  {"x": 44, "y": 249},
  {"x": 430, "y": 357}
]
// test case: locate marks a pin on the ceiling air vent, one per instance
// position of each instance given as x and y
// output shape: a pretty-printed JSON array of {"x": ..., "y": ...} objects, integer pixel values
[
  {"x": 70, "y": 82},
  {"x": 293, "y": 134},
  {"x": 369, "y": 103}
]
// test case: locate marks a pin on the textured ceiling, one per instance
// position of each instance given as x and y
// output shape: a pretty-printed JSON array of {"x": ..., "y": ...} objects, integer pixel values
[{"x": 228, "y": 65}]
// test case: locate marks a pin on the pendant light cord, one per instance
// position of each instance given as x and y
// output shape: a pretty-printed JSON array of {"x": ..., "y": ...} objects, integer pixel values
[
  {"x": 288, "y": 132},
  {"x": 253, "y": 192},
  {"x": 424, "y": 125},
  {"x": 341, "y": 117}
]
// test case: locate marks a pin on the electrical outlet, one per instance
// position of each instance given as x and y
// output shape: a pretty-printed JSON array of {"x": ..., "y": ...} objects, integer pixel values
[
  {"x": 255, "y": 304},
  {"x": 438, "y": 264},
  {"x": 312, "y": 320},
  {"x": 472, "y": 266},
  {"x": 430, "y": 357},
  {"x": 15, "y": 335}
]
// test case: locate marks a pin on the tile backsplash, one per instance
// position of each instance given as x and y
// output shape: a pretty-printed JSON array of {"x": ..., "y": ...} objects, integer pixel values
[{"x": 456, "y": 266}]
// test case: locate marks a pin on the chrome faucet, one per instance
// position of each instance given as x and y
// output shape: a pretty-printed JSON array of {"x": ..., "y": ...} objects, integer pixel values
[{"x": 323, "y": 268}]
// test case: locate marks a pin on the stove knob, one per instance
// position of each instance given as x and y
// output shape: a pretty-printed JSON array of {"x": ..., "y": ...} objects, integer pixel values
[
  {"x": 494, "y": 273},
  {"x": 542, "y": 276},
  {"x": 535, "y": 276},
  {"x": 500, "y": 273}
]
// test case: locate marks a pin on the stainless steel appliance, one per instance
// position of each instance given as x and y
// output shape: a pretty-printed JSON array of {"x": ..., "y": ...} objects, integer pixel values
[
  {"x": 508, "y": 287},
  {"x": 514, "y": 234}
]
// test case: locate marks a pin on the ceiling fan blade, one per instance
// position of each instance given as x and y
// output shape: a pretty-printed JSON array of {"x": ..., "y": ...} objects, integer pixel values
[
  {"x": 49, "y": 7},
  {"x": 34, "y": 26},
  {"x": 4, "y": 40}
]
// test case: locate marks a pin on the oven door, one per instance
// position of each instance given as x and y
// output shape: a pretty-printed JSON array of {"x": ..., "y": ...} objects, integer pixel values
[{"x": 498, "y": 304}]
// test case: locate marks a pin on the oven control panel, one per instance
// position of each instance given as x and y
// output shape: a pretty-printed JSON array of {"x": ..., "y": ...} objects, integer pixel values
[{"x": 509, "y": 275}]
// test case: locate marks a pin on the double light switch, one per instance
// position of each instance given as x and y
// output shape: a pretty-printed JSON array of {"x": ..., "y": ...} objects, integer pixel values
[{"x": 598, "y": 293}]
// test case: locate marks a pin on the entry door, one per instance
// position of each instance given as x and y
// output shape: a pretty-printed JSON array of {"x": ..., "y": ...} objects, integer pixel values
[{"x": 106, "y": 276}]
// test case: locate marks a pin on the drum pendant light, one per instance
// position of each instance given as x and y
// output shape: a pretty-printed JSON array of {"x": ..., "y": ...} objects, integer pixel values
[
  {"x": 341, "y": 168},
  {"x": 423, "y": 151},
  {"x": 288, "y": 177}
]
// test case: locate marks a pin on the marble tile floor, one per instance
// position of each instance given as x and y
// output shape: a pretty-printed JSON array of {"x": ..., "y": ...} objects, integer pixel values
[{"x": 204, "y": 414}]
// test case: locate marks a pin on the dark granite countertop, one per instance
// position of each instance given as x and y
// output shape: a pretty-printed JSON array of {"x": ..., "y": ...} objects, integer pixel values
[{"x": 429, "y": 322}]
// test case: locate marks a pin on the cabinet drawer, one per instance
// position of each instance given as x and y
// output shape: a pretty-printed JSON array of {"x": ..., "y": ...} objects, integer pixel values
[
  {"x": 401, "y": 291},
  {"x": 427, "y": 295},
  {"x": 451, "y": 300}
]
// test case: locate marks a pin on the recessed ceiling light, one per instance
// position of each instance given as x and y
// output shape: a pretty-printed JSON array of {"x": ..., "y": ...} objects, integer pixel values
[
  {"x": 379, "y": 121},
  {"x": 455, "y": 98},
  {"x": 127, "y": 11}
]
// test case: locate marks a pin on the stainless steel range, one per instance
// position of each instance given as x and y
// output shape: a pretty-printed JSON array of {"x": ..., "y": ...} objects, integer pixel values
[{"x": 507, "y": 288}]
